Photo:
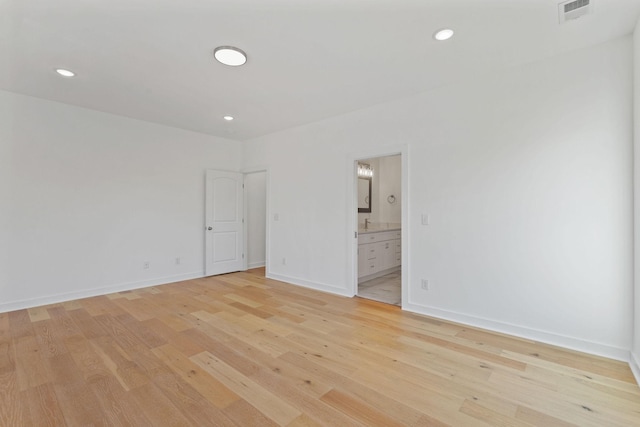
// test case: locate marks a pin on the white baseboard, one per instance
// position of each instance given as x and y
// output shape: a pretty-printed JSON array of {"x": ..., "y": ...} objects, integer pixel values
[
  {"x": 256, "y": 264},
  {"x": 634, "y": 364},
  {"x": 86, "y": 293},
  {"x": 312, "y": 285},
  {"x": 571, "y": 343}
]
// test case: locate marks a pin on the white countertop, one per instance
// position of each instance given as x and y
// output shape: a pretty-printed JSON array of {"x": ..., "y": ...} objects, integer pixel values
[{"x": 376, "y": 227}]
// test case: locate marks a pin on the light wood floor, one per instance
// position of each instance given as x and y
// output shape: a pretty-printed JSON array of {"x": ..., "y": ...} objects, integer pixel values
[{"x": 241, "y": 350}]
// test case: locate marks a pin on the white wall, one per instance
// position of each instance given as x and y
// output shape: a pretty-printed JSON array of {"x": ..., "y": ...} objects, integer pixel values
[
  {"x": 390, "y": 183},
  {"x": 635, "y": 352},
  {"x": 527, "y": 177},
  {"x": 255, "y": 187},
  {"x": 86, "y": 198}
]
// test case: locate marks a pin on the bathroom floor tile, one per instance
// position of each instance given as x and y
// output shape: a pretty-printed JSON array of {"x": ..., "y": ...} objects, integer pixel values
[{"x": 385, "y": 289}]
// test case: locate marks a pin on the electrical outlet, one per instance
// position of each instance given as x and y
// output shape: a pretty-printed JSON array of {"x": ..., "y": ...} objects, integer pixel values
[
  {"x": 284, "y": 261},
  {"x": 178, "y": 261},
  {"x": 425, "y": 284},
  {"x": 146, "y": 265}
]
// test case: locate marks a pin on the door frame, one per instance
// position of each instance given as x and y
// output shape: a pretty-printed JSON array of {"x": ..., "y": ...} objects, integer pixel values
[
  {"x": 245, "y": 172},
  {"x": 352, "y": 188}
]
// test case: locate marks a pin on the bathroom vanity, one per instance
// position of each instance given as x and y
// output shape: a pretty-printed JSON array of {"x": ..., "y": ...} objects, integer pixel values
[{"x": 379, "y": 251}]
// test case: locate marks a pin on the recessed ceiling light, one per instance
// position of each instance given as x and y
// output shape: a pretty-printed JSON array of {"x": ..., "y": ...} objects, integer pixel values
[
  {"x": 444, "y": 34},
  {"x": 229, "y": 55},
  {"x": 228, "y": 118},
  {"x": 65, "y": 73}
]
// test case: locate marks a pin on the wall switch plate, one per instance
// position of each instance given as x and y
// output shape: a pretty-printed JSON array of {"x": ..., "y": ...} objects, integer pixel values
[
  {"x": 178, "y": 261},
  {"x": 146, "y": 265},
  {"x": 425, "y": 219},
  {"x": 425, "y": 284},
  {"x": 284, "y": 261},
  {"x": 276, "y": 217}
]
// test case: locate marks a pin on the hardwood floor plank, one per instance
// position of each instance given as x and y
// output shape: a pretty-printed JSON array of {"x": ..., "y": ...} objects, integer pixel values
[
  {"x": 12, "y": 411},
  {"x": 86, "y": 324},
  {"x": 7, "y": 363},
  {"x": 486, "y": 356},
  {"x": 586, "y": 412},
  {"x": 243, "y": 414},
  {"x": 358, "y": 409},
  {"x": 376, "y": 398},
  {"x": 304, "y": 421},
  {"x": 208, "y": 386},
  {"x": 243, "y": 300},
  {"x": 146, "y": 361},
  {"x": 96, "y": 306},
  {"x": 625, "y": 381},
  {"x": 20, "y": 323},
  {"x": 43, "y": 406},
  {"x": 431, "y": 402},
  {"x": 490, "y": 417},
  {"x": 175, "y": 338},
  {"x": 158, "y": 408},
  {"x": 145, "y": 335},
  {"x": 117, "y": 408},
  {"x": 38, "y": 313},
  {"x": 242, "y": 350},
  {"x": 90, "y": 365},
  {"x": 589, "y": 386},
  {"x": 320, "y": 412},
  {"x": 140, "y": 308},
  {"x": 125, "y": 370},
  {"x": 117, "y": 330},
  {"x": 75, "y": 398},
  {"x": 176, "y": 321},
  {"x": 71, "y": 305},
  {"x": 30, "y": 367},
  {"x": 192, "y": 404},
  {"x": 315, "y": 349},
  {"x": 294, "y": 385},
  {"x": 537, "y": 418},
  {"x": 49, "y": 338},
  {"x": 5, "y": 328},
  {"x": 252, "y": 310},
  {"x": 266, "y": 402},
  {"x": 433, "y": 359}
]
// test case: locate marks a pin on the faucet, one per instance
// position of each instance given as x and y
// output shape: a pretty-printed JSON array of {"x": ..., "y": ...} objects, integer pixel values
[{"x": 366, "y": 223}]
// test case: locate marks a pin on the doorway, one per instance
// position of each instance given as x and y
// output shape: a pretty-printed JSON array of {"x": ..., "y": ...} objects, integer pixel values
[
  {"x": 379, "y": 248},
  {"x": 256, "y": 218},
  {"x": 224, "y": 227},
  {"x": 236, "y": 232}
]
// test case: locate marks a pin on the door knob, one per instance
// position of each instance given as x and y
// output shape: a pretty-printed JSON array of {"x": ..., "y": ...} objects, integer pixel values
[{"x": 209, "y": 228}]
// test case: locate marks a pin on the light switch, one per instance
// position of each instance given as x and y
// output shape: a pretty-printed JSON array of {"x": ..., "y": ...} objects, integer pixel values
[
  {"x": 276, "y": 217},
  {"x": 425, "y": 219}
]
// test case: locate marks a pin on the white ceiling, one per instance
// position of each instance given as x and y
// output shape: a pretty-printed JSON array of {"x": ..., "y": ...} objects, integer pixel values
[{"x": 308, "y": 59}]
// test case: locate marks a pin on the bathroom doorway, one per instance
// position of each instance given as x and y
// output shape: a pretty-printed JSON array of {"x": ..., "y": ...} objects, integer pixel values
[{"x": 379, "y": 248}]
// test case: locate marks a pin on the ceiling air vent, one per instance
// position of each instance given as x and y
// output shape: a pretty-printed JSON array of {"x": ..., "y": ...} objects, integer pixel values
[{"x": 574, "y": 9}]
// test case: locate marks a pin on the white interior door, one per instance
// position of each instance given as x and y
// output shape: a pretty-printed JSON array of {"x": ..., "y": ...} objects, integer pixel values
[{"x": 224, "y": 251}]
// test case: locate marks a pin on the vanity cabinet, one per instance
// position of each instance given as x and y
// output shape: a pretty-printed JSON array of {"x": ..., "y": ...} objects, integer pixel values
[
  {"x": 367, "y": 259},
  {"x": 378, "y": 252}
]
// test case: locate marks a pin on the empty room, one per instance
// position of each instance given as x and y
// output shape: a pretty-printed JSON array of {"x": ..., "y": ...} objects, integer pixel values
[{"x": 320, "y": 213}]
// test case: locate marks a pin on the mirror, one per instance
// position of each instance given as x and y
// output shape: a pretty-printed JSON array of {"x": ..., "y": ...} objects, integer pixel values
[{"x": 364, "y": 195}]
